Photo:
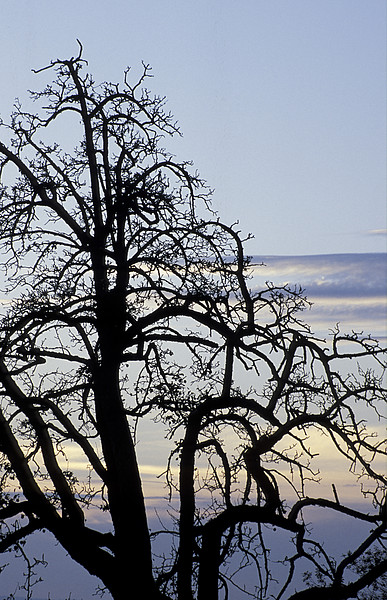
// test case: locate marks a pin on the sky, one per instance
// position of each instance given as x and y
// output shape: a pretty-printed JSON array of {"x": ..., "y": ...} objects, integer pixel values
[
  {"x": 282, "y": 108},
  {"x": 349, "y": 289},
  {"x": 282, "y": 104}
]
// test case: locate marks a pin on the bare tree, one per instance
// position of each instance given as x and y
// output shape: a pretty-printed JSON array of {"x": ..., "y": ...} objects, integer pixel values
[{"x": 127, "y": 299}]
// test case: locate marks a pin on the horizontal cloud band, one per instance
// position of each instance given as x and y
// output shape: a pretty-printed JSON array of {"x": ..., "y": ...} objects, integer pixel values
[{"x": 350, "y": 288}]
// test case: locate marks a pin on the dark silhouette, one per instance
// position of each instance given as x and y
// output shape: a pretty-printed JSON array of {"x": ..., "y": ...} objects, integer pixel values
[{"x": 128, "y": 299}]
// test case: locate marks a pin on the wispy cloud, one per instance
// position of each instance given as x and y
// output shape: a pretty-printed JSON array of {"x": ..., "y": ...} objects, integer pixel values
[
  {"x": 377, "y": 232},
  {"x": 346, "y": 288}
]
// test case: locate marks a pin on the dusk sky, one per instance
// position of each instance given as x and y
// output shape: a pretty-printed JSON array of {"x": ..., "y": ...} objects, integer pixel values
[{"x": 282, "y": 105}]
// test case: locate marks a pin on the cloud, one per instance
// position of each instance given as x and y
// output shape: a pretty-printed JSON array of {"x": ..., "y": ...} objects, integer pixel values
[
  {"x": 335, "y": 275},
  {"x": 346, "y": 288},
  {"x": 376, "y": 232}
]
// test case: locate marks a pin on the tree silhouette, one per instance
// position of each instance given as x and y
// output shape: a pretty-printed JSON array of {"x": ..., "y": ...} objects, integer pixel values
[{"x": 128, "y": 299}]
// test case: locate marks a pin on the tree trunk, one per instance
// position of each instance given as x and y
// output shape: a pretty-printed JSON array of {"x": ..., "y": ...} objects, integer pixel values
[
  {"x": 187, "y": 509},
  {"x": 126, "y": 500},
  {"x": 209, "y": 564}
]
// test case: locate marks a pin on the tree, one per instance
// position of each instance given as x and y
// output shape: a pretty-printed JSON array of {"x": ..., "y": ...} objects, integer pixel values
[{"x": 128, "y": 299}]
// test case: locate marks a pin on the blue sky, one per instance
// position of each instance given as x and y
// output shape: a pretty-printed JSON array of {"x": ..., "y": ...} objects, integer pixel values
[{"x": 282, "y": 104}]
